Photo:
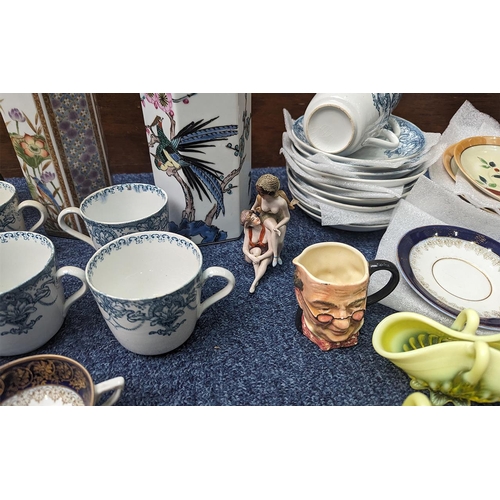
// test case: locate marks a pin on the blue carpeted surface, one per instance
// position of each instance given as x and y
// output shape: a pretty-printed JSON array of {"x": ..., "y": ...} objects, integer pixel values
[{"x": 245, "y": 350}]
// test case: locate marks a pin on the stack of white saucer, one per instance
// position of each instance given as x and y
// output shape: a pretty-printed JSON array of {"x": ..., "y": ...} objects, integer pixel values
[{"x": 359, "y": 191}]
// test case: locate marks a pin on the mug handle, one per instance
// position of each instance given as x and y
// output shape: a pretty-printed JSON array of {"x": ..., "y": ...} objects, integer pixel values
[
  {"x": 76, "y": 211},
  {"x": 34, "y": 204},
  {"x": 383, "y": 265},
  {"x": 481, "y": 361},
  {"x": 386, "y": 139},
  {"x": 114, "y": 384},
  {"x": 212, "y": 272},
  {"x": 77, "y": 273}
]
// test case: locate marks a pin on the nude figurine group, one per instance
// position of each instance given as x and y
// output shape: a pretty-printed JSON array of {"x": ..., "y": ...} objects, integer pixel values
[{"x": 265, "y": 226}]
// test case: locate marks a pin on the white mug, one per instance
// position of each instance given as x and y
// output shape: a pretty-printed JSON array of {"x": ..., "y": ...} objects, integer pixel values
[
  {"x": 32, "y": 301},
  {"x": 344, "y": 123},
  {"x": 11, "y": 218},
  {"x": 148, "y": 288},
  {"x": 117, "y": 210}
]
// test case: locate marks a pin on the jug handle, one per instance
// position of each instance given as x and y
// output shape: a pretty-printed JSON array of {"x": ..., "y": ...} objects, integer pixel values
[
  {"x": 481, "y": 362},
  {"x": 467, "y": 322}
]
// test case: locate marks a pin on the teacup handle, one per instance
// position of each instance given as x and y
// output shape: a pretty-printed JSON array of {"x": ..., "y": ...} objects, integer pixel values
[
  {"x": 386, "y": 139},
  {"x": 77, "y": 273},
  {"x": 212, "y": 272},
  {"x": 114, "y": 384},
  {"x": 481, "y": 362},
  {"x": 76, "y": 211},
  {"x": 383, "y": 265},
  {"x": 35, "y": 204}
]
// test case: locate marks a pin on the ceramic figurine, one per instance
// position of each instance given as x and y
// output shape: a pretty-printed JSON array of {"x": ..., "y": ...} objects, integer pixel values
[
  {"x": 331, "y": 283},
  {"x": 273, "y": 206},
  {"x": 256, "y": 245}
]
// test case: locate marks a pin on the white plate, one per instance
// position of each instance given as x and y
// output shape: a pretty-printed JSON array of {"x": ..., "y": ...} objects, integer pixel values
[
  {"x": 360, "y": 172},
  {"x": 351, "y": 198},
  {"x": 315, "y": 214},
  {"x": 332, "y": 178},
  {"x": 453, "y": 269},
  {"x": 412, "y": 144}
]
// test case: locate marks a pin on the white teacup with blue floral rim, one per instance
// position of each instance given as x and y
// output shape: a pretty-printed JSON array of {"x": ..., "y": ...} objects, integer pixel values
[
  {"x": 148, "y": 288},
  {"x": 32, "y": 300},
  {"x": 118, "y": 210},
  {"x": 11, "y": 217},
  {"x": 344, "y": 123}
]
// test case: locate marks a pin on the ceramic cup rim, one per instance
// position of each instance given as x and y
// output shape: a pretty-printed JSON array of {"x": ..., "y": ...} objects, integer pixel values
[
  {"x": 51, "y": 357},
  {"x": 84, "y": 205},
  {"x": 29, "y": 236},
  {"x": 117, "y": 244},
  {"x": 12, "y": 189}
]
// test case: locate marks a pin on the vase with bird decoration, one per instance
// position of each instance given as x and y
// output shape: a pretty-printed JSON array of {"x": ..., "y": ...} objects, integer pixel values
[{"x": 200, "y": 150}]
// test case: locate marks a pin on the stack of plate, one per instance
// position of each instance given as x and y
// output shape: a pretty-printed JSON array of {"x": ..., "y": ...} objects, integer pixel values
[{"x": 370, "y": 181}]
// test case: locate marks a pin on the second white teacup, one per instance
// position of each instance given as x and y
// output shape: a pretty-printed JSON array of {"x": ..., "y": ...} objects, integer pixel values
[
  {"x": 344, "y": 123},
  {"x": 148, "y": 289},
  {"x": 118, "y": 210},
  {"x": 11, "y": 217}
]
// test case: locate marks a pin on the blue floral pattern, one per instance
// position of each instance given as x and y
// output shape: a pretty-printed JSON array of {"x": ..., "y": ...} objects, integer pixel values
[
  {"x": 163, "y": 314},
  {"x": 22, "y": 307},
  {"x": 102, "y": 233}
]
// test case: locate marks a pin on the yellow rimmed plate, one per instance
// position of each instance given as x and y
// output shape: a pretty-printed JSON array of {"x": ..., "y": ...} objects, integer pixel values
[{"x": 479, "y": 160}]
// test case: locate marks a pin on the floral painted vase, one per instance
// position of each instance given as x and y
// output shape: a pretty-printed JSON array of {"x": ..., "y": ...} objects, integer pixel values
[
  {"x": 59, "y": 144},
  {"x": 200, "y": 153}
]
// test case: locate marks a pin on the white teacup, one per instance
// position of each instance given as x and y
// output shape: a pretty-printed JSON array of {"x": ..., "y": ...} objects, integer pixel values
[
  {"x": 148, "y": 288},
  {"x": 53, "y": 380},
  {"x": 32, "y": 301},
  {"x": 118, "y": 210},
  {"x": 11, "y": 217},
  {"x": 344, "y": 123}
]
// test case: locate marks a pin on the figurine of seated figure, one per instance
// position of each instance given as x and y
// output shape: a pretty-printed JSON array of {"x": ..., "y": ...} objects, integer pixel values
[
  {"x": 256, "y": 245},
  {"x": 273, "y": 206}
]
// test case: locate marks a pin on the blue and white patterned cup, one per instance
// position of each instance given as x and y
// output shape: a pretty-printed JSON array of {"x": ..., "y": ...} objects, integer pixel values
[
  {"x": 148, "y": 289},
  {"x": 118, "y": 210},
  {"x": 32, "y": 300},
  {"x": 11, "y": 218},
  {"x": 344, "y": 123}
]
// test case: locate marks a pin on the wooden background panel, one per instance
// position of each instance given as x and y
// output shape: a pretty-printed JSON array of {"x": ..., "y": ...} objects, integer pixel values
[{"x": 125, "y": 136}]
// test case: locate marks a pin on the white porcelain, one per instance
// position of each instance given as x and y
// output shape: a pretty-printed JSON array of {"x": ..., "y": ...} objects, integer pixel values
[
  {"x": 32, "y": 301},
  {"x": 374, "y": 180},
  {"x": 53, "y": 380},
  {"x": 361, "y": 207},
  {"x": 307, "y": 207},
  {"x": 117, "y": 210},
  {"x": 411, "y": 146},
  {"x": 11, "y": 217},
  {"x": 148, "y": 288},
  {"x": 348, "y": 197},
  {"x": 453, "y": 269},
  {"x": 341, "y": 123},
  {"x": 200, "y": 147}
]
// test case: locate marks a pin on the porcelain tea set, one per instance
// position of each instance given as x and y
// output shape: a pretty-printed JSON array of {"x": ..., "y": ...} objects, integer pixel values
[
  {"x": 349, "y": 158},
  {"x": 151, "y": 304}
]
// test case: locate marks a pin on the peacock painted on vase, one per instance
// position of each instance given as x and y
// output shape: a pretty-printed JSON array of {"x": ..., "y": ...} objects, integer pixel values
[{"x": 173, "y": 154}]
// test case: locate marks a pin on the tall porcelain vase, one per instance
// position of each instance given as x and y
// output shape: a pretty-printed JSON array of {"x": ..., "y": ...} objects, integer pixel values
[
  {"x": 60, "y": 146},
  {"x": 200, "y": 149}
]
